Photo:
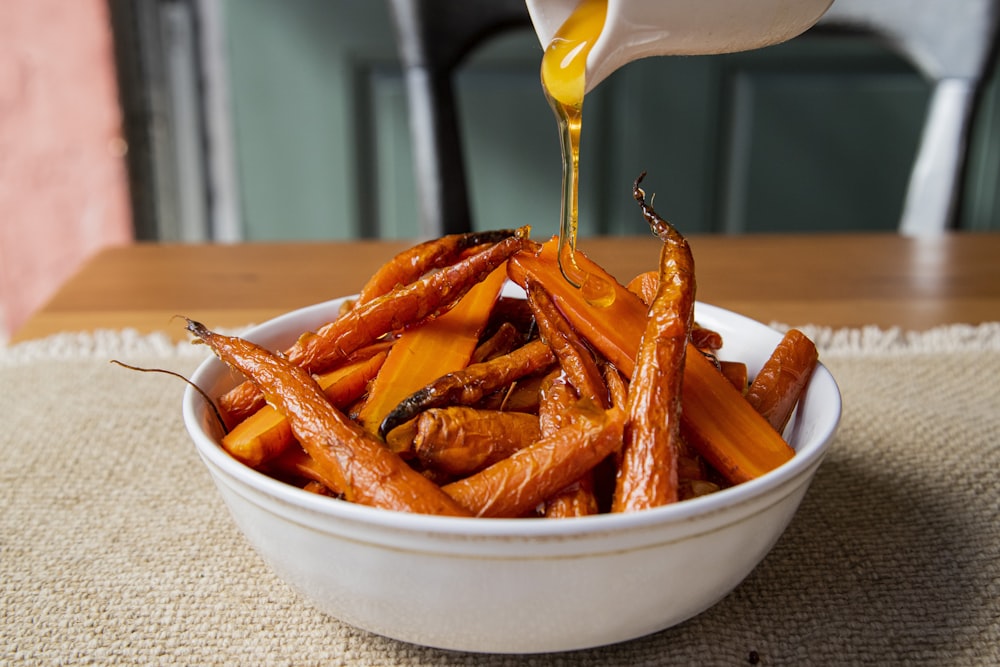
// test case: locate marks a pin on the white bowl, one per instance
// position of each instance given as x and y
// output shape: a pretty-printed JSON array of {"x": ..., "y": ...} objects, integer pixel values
[{"x": 516, "y": 585}]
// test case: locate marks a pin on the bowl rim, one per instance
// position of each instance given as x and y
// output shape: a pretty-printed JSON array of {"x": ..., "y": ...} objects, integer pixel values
[{"x": 211, "y": 370}]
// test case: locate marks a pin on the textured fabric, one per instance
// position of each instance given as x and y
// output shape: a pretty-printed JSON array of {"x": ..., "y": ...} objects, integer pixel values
[{"x": 116, "y": 548}]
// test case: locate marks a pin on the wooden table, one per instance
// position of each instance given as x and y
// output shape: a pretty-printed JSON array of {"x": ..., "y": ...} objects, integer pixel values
[{"x": 836, "y": 280}]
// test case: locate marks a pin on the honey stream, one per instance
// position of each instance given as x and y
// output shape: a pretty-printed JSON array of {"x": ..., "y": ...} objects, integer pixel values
[{"x": 564, "y": 69}]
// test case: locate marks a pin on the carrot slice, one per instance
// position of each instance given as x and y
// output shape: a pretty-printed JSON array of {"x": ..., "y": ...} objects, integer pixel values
[
  {"x": 428, "y": 351},
  {"x": 779, "y": 384}
]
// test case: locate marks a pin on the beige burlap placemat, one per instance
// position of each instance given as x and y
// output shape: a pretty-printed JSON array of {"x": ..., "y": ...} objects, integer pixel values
[{"x": 116, "y": 548}]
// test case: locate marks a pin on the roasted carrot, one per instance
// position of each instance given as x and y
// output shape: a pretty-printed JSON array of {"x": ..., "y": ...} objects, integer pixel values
[
  {"x": 555, "y": 410},
  {"x": 737, "y": 374},
  {"x": 647, "y": 472},
  {"x": 266, "y": 433},
  {"x": 356, "y": 462},
  {"x": 427, "y": 351},
  {"x": 644, "y": 285},
  {"x": 716, "y": 418},
  {"x": 613, "y": 329},
  {"x": 244, "y": 400},
  {"x": 776, "y": 389},
  {"x": 471, "y": 384},
  {"x": 405, "y": 306},
  {"x": 705, "y": 339},
  {"x": 429, "y": 296},
  {"x": 724, "y": 428},
  {"x": 575, "y": 358},
  {"x": 502, "y": 341},
  {"x": 617, "y": 389},
  {"x": 459, "y": 441},
  {"x": 412, "y": 263},
  {"x": 515, "y": 485}
]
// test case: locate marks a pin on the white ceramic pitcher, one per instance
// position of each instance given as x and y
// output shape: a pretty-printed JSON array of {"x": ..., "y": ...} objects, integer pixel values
[{"x": 635, "y": 29}]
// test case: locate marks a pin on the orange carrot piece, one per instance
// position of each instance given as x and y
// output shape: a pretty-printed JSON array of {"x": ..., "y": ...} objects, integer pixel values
[
  {"x": 428, "y": 351},
  {"x": 613, "y": 330},
  {"x": 555, "y": 410},
  {"x": 357, "y": 462},
  {"x": 574, "y": 357},
  {"x": 471, "y": 384},
  {"x": 776, "y": 389},
  {"x": 515, "y": 485},
  {"x": 737, "y": 374},
  {"x": 267, "y": 433},
  {"x": 413, "y": 262},
  {"x": 716, "y": 414},
  {"x": 644, "y": 286},
  {"x": 460, "y": 441},
  {"x": 647, "y": 472},
  {"x": 724, "y": 428}
]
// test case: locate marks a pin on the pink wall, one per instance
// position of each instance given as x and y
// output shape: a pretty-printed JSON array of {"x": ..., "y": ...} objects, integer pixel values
[{"x": 63, "y": 187}]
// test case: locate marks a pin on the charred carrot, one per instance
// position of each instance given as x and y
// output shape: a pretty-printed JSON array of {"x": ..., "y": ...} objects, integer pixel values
[
  {"x": 356, "y": 462},
  {"x": 515, "y": 485},
  {"x": 267, "y": 433},
  {"x": 776, "y": 389},
  {"x": 471, "y": 384},
  {"x": 426, "y": 352},
  {"x": 647, "y": 472}
]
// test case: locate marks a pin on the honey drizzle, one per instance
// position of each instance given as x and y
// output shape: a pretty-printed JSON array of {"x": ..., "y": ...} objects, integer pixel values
[{"x": 564, "y": 69}]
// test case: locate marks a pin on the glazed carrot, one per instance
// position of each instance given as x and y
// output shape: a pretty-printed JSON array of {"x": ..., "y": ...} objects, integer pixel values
[
  {"x": 555, "y": 410},
  {"x": 412, "y": 263},
  {"x": 266, "y": 433},
  {"x": 705, "y": 339},
  {"x": 471, "y": 384},
  {"x": 737, "y": 374},
  {"x": 617, "y": 389},
  {"x": 244, "y": 400},
  {"x": 515, "y": 485},
  {"x": 428, "y": 296},
  {"x": 613, "y": 330},
  {"x": 575, "y": 358},
  {"x": 503, "y": 340},
  {"x": 776, "y": 389},
  {"x": 724, "y": 428},
  {"x": 357, "y": 463},
  {"x": 460, "y": 441},
  {"x": 715, "y": 418},
  {"x": 427, "y": 351},
  {"x": 647, "y": 471},
  {"x": 644, "y": 285}
]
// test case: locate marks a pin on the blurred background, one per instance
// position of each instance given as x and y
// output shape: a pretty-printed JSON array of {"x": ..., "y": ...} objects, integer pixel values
[{"x": 257, "y": 120}]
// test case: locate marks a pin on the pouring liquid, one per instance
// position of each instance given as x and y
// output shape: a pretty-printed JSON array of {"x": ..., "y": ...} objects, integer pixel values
[{"x": 564, "y": 68}]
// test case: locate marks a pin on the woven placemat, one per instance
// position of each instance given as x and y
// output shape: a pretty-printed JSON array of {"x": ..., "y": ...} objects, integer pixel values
[{"x": 116, "y": 548}]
